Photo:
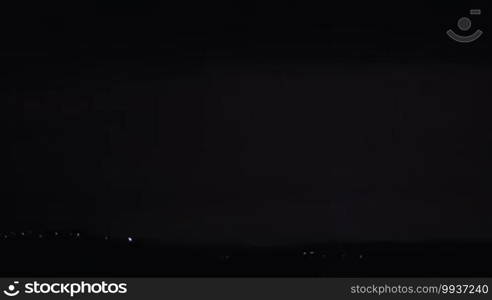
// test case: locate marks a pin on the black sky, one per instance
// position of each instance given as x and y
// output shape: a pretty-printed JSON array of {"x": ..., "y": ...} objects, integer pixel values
[{"x": 247, "y": 124}]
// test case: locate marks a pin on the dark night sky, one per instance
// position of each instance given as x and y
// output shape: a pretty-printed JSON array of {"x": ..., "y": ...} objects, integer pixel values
[{"x": 250, "y": 124}]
